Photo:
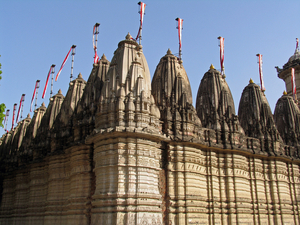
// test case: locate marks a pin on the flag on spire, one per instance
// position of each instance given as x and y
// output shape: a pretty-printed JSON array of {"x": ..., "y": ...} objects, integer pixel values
[
  {"x": 293, "y": 82},
  {"x": 96, "y": 58},
  {"x": 62, "y": 65},
  {"x": 21, "y": 103},
  {"x": 142, "y": 13},
  {"x": 46, "y": 85},
  {"x": 36, "y": 85},
  {"x": 95, "y": 34},
  {"x": 15, "y": 106},
  {"x": 179, "y": 27},
  {"x": 262, "y": 86},
  {"x": 222, "y": 55},
  {"x": 6, "y": 119}
]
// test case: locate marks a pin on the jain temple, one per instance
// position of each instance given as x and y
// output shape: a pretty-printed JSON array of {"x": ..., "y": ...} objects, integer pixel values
[{"x": 122, "y": 149}]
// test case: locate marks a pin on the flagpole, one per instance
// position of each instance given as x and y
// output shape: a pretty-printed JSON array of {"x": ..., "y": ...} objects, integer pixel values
[
  {"x": 7, "y": 115},
  {"x": 96, "y": 34},
  {"x": 51, "y": 92},
  {"x": 22, "y": 105},
  {"x": 222, "y": 56},
  {"x": 13, "y": 118},
  {"x": 179, "y": 27},
  {"x": 73, "y": 54},
  {"x": 142, "y": 7},
  {"x": 262, "y": 86},
  {"x": 36, "y": 96}
]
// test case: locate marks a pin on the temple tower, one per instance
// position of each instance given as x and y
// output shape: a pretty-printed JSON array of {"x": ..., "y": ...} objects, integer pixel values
[
  {"x": 127, "y": 143},
  {"x": 284, "y": 73}
]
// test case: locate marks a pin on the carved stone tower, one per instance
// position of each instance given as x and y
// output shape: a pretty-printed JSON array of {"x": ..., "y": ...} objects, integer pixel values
[{"x": 284, "y": 73}]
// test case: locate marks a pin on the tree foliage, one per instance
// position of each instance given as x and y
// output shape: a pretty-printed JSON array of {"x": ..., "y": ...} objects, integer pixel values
[
  {"x": 2, "y": 106},
  {"x": 0, "y": 70},
  {"x": 2, "y": 115}
]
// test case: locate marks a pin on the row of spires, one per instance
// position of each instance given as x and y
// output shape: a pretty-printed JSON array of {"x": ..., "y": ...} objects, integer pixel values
[{"x": 120, "y": 97}]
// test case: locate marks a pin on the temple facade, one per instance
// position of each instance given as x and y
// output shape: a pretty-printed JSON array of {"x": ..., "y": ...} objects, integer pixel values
[{"x": 122, "y": 149}]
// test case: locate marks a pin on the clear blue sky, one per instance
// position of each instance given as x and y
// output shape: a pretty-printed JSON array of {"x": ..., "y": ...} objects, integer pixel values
[{"x": 36, "y": 34}]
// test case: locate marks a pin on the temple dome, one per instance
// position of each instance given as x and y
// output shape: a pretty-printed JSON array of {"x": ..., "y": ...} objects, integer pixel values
[
  {"x": 214, "y": 99},
  {"x": 173, "y": 95},
  {"x": 170, "y": 81},
  {"x": 287, "y": 120},
  {"x": 256, "y": 118},
  {"x": 295, "y": 56},
  {"x": 127, "y": 65},
  {"x": 126, "y": 92}
]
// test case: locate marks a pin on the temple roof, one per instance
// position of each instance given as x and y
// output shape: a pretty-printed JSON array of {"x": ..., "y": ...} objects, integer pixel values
[
  {"x": 214, "y": 99},
  {"x": 255, "y": 115},
  {"x": 127, "y": 65},
  {"x": 287, "y": 120},
  {"x": 294, "y": 61},
  {"x": 170, "y": 81},
  {"x": 295, "y": 56}
]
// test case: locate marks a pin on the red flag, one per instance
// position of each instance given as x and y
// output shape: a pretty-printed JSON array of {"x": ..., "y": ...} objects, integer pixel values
[
  {"x": 262, "y": 86},
  {"x": 15, "y": 106},
  {"x": 21, "y": 102},
  {"x": 142, "y": 13},
  {"x": 179, "y": 31},
  {"x": 62, "y": 65},
  {"x": 293, "y": 81},
  {"x": 46, "y": 85},
  {"x": 95, "y": 33},
  {"x": 222, "y": 54},
  {"x": 36, "y": 85},
  {"x": 96, "y": 58}
]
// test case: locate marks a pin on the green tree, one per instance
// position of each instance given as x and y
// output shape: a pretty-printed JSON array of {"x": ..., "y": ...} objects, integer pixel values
[
  {"x": 2, "y": 115},
  {"x": 2, "y": 106},
  {"x": 0, "y": 70}
]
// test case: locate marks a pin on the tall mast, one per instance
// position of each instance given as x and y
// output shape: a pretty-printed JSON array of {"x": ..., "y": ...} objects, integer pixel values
[
  {"x": 222, "y": 55},
  {"x": 23, "y": 99},
  {"x": 13, "y": 118},
  {"x": 179, "y": 27},
  {"x": 73, "y": 54},
  {"x": 142, "y": 7},
  {"x": 262, "y": 85},
  {"x": 52, "y": 72},
  {"x": 36, "y": 96},
  {"x": 95, "y": 37},
  {"x": 6, "y": 119}
]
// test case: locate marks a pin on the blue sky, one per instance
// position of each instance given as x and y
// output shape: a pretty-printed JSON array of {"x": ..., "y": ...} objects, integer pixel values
[{"x": 36, "y": 34}]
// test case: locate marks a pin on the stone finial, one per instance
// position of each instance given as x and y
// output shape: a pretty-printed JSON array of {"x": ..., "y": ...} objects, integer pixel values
[
  {"x": 59, "y": 91},
  {"x": 251, "y": 81},
  {"x": 103, "y": 57},
  {"x": 169, "y": 52},
  {"x": 43, "y": 104},
  {"x": 28, "y": 116},
  {"x": 128, "y": 36},
  {"x": 211, "y": 67},
  {"x": 284, "y": 93},
  {"x": 79, "y": 75}
]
